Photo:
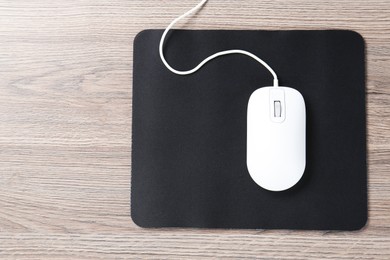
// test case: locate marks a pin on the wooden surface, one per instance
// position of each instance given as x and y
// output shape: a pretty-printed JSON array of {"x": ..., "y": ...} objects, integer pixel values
[{"x": 65, "y": 129}]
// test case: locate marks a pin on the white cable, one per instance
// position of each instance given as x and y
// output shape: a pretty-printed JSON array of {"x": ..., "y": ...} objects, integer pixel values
[{"x": 218, "y": 54}]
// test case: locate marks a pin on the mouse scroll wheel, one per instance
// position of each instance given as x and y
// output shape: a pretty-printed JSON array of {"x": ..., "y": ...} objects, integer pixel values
[{"x": 277, "y": 108}]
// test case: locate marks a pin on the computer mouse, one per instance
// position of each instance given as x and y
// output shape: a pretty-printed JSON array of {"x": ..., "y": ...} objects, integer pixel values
[{"x": 276, "y": 137}]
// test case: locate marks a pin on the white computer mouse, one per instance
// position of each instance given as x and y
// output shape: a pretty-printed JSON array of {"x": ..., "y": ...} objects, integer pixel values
[{"x": 276, "y": 137}]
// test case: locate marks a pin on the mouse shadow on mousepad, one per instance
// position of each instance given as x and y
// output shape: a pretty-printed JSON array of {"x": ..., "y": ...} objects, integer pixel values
[{"x": 189, "y": 133}]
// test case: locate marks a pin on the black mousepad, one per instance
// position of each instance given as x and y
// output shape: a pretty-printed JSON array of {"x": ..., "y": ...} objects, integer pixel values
[{"x": 189, "y": 132}]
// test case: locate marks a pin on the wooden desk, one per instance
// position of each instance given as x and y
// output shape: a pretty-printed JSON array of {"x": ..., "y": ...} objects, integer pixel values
[{"x": 65, "y": 129}]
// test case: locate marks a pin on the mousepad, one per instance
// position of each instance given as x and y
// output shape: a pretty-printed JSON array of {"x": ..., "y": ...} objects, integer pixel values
[{"x": 189, "y": 132}]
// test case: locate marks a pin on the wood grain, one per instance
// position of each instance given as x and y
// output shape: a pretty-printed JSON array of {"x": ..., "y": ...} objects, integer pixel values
[{"x": 65, "y": 129}]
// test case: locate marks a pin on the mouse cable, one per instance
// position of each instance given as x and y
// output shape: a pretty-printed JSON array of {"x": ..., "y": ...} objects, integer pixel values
[{"x": 218, "y": 54}]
